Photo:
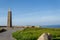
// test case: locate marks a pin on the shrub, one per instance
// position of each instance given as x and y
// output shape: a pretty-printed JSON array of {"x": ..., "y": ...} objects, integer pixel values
[
  {"x": 34, "y": 33},
  {"x": 2, "y": 30}
]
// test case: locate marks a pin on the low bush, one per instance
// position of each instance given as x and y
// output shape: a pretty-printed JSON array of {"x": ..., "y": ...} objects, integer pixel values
[{"x": 2, "y": 30}]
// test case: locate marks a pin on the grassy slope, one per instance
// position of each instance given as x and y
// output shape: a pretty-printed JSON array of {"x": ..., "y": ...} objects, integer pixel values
[{"x": 34, "y": 33}]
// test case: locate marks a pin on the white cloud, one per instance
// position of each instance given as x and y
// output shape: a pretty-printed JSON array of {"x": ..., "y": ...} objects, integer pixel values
[
  {"x": 37, "y": 20},
  {"x": 41, "y": 17},
  {"x": 3, "y": 21}
]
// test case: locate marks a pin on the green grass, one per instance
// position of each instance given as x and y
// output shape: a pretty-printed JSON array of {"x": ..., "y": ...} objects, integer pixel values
[{"x": 34, "y": 33}]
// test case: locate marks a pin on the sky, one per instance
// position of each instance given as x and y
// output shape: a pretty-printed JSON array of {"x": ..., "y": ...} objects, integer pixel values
[{"x": 30, "y": 12}]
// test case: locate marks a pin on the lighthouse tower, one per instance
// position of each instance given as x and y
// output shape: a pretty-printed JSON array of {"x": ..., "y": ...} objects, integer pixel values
[{"x": 9, "y": 21}]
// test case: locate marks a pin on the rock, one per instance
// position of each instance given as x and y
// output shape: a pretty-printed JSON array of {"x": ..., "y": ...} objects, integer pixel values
[
  {"x": 45, "y": 36},
  {"x": 49, "y": 36}
]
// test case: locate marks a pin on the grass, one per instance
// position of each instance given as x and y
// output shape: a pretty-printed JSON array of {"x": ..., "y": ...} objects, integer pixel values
[{"x": 34, "y": 33}]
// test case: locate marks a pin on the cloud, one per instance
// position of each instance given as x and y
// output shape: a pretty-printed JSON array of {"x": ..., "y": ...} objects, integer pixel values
[
  {"x": 34, "y": 18},
  {"x": 37, "y": 20},
  {"x": 3, "y": 21}
]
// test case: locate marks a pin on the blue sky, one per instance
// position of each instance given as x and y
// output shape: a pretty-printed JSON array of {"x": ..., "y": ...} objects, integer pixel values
[{"x": 31, "y": 12}]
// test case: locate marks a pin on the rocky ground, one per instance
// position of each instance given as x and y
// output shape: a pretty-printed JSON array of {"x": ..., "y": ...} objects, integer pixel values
[{"x": 7, "y": 35}]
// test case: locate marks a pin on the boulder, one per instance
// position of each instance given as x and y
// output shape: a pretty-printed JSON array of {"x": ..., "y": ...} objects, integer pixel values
[{"x": 45, "y": 36}]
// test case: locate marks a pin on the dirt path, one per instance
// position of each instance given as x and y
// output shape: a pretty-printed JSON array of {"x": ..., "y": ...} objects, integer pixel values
[{"x": 8, "y": 34}]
